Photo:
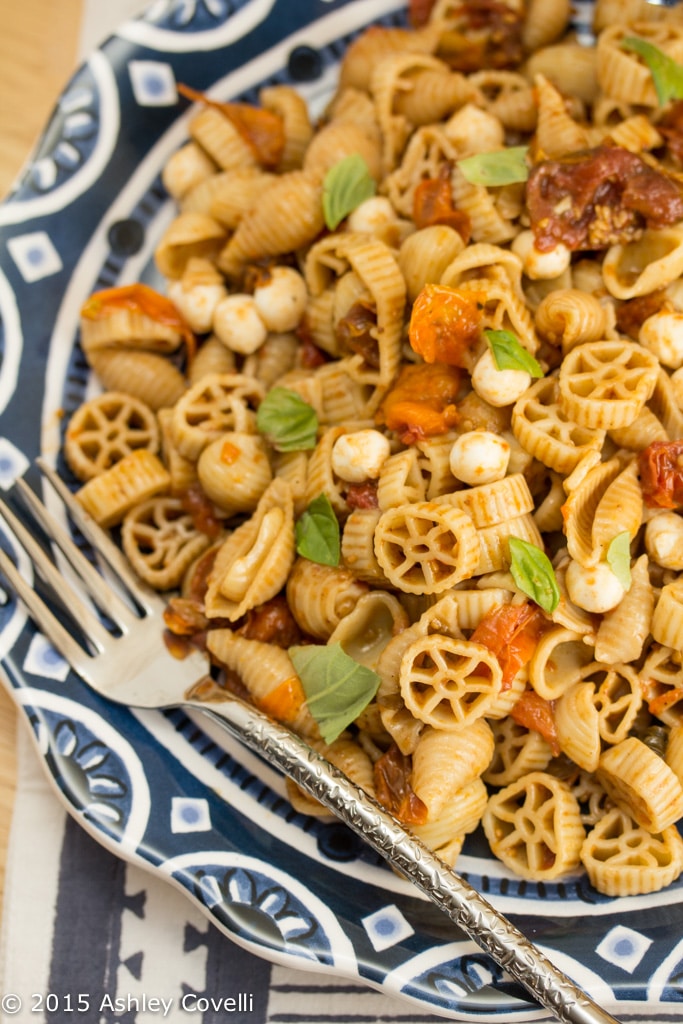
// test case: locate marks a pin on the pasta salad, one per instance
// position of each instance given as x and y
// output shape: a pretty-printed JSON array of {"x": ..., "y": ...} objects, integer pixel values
[{"x": 402, "y": 438}]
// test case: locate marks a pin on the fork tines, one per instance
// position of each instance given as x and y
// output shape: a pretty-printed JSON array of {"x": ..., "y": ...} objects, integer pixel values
[{"x": 88, "y": 580}]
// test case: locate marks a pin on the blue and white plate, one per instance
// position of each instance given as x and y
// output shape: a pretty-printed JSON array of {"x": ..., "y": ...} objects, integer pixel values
[{"x": 165, "y": 789}]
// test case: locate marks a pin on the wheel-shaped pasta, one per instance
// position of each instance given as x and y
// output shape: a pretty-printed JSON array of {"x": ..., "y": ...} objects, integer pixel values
[
  {"x": 106, "y": 428},
  {"x": 623, "y": 859},
  {"x": 425, "y": 548},
  {"x": 449, "y": 683},
  {"x": 161, "y": 541},
  {"x": 517, "y": 752},
  {"x": 605, "y": 384},
  {"x": 214, "y": 405},
  {"x": 534, "y": 827},
  {"x": 134, "y": 478},
  {"x": 253, "y": 564},
  {"x": 547, "y": 432},
  {"x": 640, "y": 782}
]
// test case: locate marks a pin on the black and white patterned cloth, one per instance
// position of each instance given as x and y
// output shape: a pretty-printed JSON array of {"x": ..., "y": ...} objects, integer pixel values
[{"x": 90, "y": 939}]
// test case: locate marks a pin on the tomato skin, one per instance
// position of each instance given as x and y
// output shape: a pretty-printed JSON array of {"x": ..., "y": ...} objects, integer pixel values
[
  {"x": 512, "y": 633},
  {"x": 422, "y": 402},
  {"x": 445, "y": 324},
  {"x": 537, "y": 714},
  {"x": 139, "y": 298},
  {"x": 392, "y": 786},
  {"x": 433, "y": 204},
  {"x": 661, "y": 474}
]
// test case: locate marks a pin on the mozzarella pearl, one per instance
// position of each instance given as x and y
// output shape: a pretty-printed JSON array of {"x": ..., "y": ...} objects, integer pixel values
[
  {"x": 498, "y": 387},
  {"x": 281, "y": 300},
  {"x": 479, "y": 457},
  {"x": 238, "y": 324},
  {"x": 372, "y": 216},
  {"x": 662, "y": 334},
  {"x": 197, "y": 304},
  {"x": 360, "y": 455},
  {"x": 664, "y": 540},
  {"x": 540, "y": 265},
  {"x": 596, "y": 589}
]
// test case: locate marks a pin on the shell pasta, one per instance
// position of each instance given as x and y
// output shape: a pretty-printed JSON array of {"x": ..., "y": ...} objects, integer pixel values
[{"x": 402, "y": 436}]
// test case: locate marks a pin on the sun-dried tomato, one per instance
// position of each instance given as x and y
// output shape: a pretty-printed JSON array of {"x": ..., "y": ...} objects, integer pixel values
[
  {"x": 354, "y": 332},
  {"x": 271, "y": 623},
  {"x": 512, "y": 633},
  {"x": 422, "y": 402},
  {"x": 599, "y": 197},
  {"x": 671, "y": 127},
  {"x": 661, "y": 474},
  {"x": 419, "y": 12},
  {"x": 632, "y": 314},
  {"x": 393, "y": 789},
  {"x": 196, "y": 503},
  {"x": 537, "y": 714},
  {"x": 445, "y": 324},
  {"x": 433, "y": 204},
  {"x": 482, "y": 34},
  {"x": 362, "y": 495}
]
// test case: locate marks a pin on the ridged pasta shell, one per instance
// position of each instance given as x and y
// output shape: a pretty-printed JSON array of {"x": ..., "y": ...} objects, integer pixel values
[
  {"x": 216, "y": 134},
  {"x": 557, "y": 661},
  {"x": 458, "y": 818},
  {"x": 651, "y": 261},
  {"x": 269, "y": 675},
  {"x": 621, "y": 74},
  {"x": 557, "y": 133},
  {"x": 425, "y": 254},
  {"x": 576, "y": 722},
  {"x": 568, "y": 316},
  {"x": 144, "y": 375},
  {"x": 446, "y": 762},
  {"x": 320, "y": 596},
  {"x": 188, "y": 236},
  {"x": 586, "y": 540},
  {"x": 292, "y": 108},
  {"x": 341, "y": 138},
  {"x": 227, "y": 195},
  {"x": 390, "y": 78},
  {"x": 494, "y": 549},
  {"x": 287, "y": 216},
  {"x": 623, "y": 631},
  {"x": 253, "y": 564},
  {"x": 367, "y": 629},
  {"x": 185, "y": 169}
]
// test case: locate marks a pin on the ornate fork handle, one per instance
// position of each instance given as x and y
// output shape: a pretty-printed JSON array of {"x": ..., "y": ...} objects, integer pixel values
[{"x": 452, "y": 894}]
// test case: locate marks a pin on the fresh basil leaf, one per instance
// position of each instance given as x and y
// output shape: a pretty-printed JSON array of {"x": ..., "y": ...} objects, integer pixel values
[
  {"x": 667, "y": 74},
  {"x": 337, "y": 688},
  {"x": 347, "y": 184},
  {"x": 509, "y": 354},
  {"x": 619, "y": 558},
  {"x": 286, "y": 421},
  {"x": 533, "y": 573},
  {"x": 502, "y": 167},
  {"x": 317, "y": 533}
]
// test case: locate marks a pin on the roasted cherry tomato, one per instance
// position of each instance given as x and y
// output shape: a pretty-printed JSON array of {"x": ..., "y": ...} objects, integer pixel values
[
  {"x": 661, "y": 474},
  {"x": 511, "y": 632},
  {"x": 445, "y": 323}
]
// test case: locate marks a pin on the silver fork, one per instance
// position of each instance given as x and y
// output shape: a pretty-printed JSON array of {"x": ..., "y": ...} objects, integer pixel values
[{"x": 135, "y": 669}]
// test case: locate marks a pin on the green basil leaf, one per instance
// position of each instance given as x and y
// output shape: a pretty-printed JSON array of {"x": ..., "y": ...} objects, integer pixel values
[
  {"x": 509, "y": 354},
  {"x": 317, "y": 533},
  {"x": 533, "y": 573},
  {"x": 667, "y": 74},
  {"x": 502, "y": 167},
  {"x": 337, "y": 688},
  {"x": 347, "y": 184},
  {"x": 286, "y": 421},
  {"x": 619, "y": 558}
]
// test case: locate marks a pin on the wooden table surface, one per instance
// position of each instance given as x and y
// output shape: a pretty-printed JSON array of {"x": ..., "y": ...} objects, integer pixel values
[{"x": 38, "y": 52}]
